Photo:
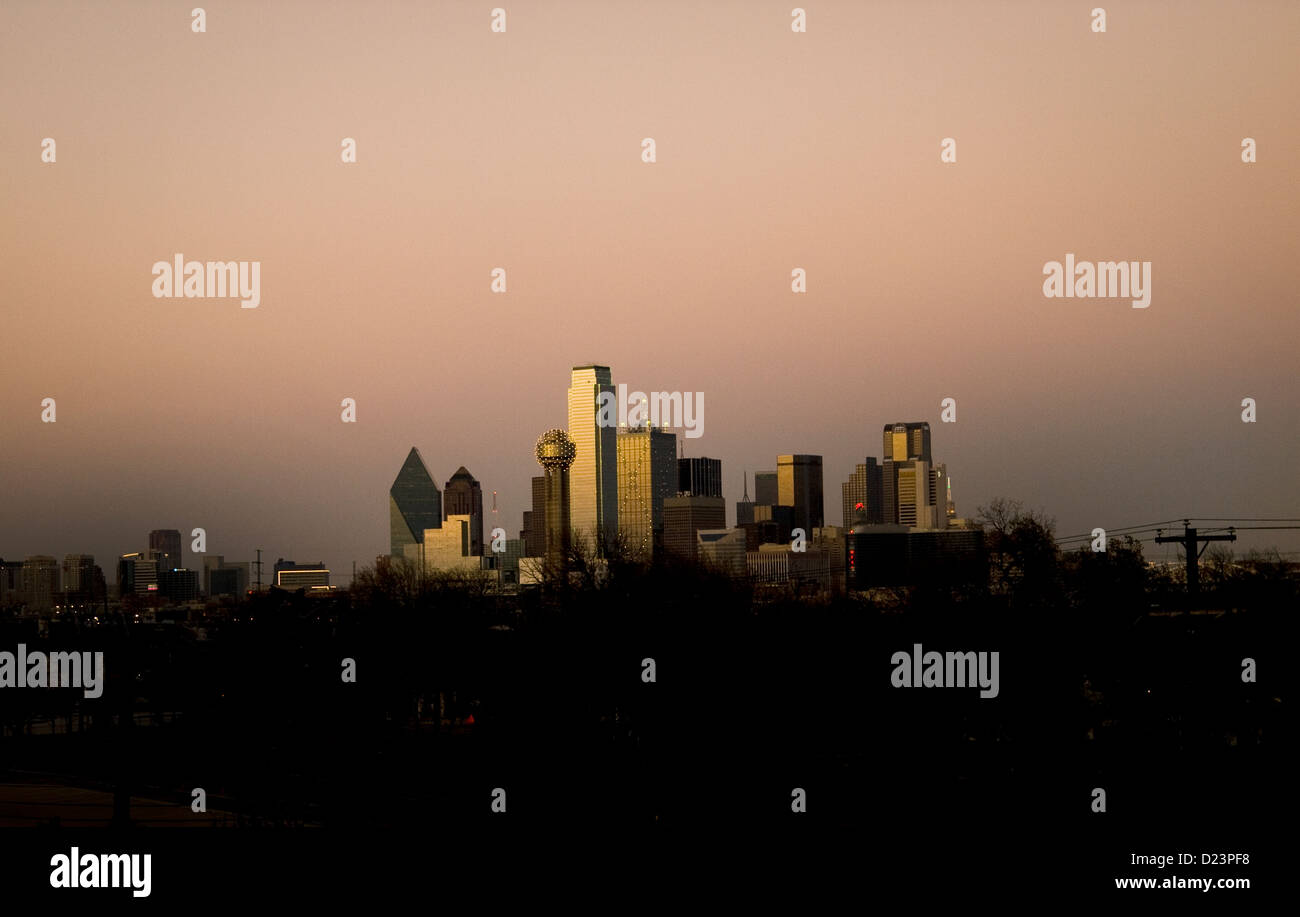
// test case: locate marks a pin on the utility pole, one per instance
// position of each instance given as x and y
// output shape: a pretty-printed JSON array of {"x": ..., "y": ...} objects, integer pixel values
[{"x": 1189, "y": 540}]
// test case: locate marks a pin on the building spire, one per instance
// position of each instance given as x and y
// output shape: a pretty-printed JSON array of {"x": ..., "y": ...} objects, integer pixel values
[{"x": 745, "y": 498}]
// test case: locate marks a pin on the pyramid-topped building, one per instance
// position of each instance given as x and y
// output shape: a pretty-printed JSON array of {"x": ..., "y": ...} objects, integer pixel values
[{"x": 414, "y": 504}]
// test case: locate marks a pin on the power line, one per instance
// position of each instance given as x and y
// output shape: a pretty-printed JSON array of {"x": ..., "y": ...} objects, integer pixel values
[
  {"x": 1145, "y": 527},
  {"x": 1240, "y": 519},
  {"x": 1132, "y": 530}
]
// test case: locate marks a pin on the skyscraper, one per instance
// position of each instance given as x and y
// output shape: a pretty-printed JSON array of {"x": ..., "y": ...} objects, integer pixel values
[
  {"x": 909, "y": 487},
  {"x": 535, "y": 524},
  {"x": 593, "y": 479},
  {"x": 462, "y": 496},
  {"x": 555, "y": 453},
  {"x": 700, "y": 477},
  {"x": 414, "y": 504},
  {"x": 863, "y": 487},
  {"x": 647, "y": 475},
  {"x": 799, "y": 484},
  {"x": 765, "y": 489},
  {"x": 165, "y": 548},
  {"x": 903, "y": 441},
  {"x": 915, "y": 498}
]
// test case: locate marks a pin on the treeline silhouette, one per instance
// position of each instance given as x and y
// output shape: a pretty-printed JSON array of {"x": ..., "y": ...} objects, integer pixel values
[{"x": 1109, "y": 676}]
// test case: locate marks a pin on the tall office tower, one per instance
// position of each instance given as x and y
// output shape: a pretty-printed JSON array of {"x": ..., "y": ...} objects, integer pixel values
[
  {"x": 593, "y": 479},
  {"x": 462, "y": 496},
  {"x": 903, "y": 441},
  {"x": 863, "y": 487},
  {"x": 765, "y": 489},
  {"x": 535, "y": 538},
  {"x": 165, "y": 548},
  {"x": 744, "y": 507},
  {"x": 555, "y": 453},
  {"x": 40, "y": 580},
  {"x": 414, "y": 504},
  {"x": 79, "y": 574},
  {"x": 915, "y": 494},
  {"x": 700, "y": 477},
  {"x": 799, "y": 484},
  {"x": 906, "y": 443},
  {"x": 647, "y": 475},
  {"x": 685, "y": 516}
]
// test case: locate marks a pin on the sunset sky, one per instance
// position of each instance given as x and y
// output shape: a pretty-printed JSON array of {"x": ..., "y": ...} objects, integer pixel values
[{"x": 522, "y": 150}]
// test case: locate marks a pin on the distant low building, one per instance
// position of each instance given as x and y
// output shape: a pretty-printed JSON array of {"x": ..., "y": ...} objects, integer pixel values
[
  {"x": 293, "y": 576},
  {"x": 771, "y": 525},
  {"x": 508, "y": 569},
  {"x": 450, "y": 547},
  {"x": 685, "y": 516},
  {"x": 723, "y": 550},
  {"x": 227, "y": 579},
  {"x": 178, "y": 585},
  {"x": 11, "y": 582},
  {"x": 40, "y": 581},
  {"x": 780, "y": 564},
  {"x": 896, "y": 555},
  {"x": 136, "y": 575}
]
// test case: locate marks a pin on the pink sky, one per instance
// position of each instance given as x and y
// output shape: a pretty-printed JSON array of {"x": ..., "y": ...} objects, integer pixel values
[{"x": 522, "y": 150}]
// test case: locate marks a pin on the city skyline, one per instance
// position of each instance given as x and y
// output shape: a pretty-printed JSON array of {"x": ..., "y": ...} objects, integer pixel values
[
  {"x": 924, "y": 279},
  {"x": 788, "y": 421},
  {"x": 414, "y": 474}
]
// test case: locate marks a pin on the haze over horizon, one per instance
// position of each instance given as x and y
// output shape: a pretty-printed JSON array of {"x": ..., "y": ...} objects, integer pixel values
[{"x": 522, "y": 150}]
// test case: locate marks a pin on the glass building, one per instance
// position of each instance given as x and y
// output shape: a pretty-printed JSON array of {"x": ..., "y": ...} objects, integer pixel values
[
  {"x": 414, "y": 504},
  {"x": 647, "y": 475},
  {"x": 799, "y": 484},
  {"x": 593, "y": 478}
]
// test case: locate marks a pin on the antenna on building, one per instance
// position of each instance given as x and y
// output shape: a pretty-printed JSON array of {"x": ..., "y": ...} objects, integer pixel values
[
  {"x": 258, "y": 564},
  {"x": 745, "y": 499}
]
